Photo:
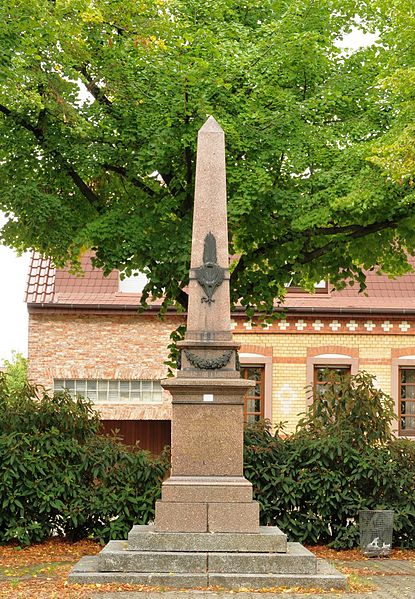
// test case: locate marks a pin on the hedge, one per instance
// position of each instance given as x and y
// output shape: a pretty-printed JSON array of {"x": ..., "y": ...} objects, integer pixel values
[
  {"x": 59, "y": 476},
  {"x": 341, "y": 459}
]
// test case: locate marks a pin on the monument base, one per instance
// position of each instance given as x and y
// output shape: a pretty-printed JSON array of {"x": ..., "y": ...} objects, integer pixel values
[{"x": 186, "y": 560}]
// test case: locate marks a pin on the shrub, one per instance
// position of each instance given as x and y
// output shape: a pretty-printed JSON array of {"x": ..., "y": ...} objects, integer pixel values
[
  {"x": 58, "y": 476},
  {"x": 16, "y": 373},
  {"x": 352, "y": 408},
  {"x": 341, "y": 459}
]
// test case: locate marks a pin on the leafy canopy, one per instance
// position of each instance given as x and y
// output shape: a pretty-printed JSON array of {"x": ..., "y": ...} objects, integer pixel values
[{"x": 100, "y": 104}]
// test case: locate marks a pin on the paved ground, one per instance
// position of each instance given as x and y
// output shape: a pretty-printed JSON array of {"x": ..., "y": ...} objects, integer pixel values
[{"x": 392, "y": 579}]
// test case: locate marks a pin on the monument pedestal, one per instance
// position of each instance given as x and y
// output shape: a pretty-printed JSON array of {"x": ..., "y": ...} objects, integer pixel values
[{"x": 207, "y": 491}]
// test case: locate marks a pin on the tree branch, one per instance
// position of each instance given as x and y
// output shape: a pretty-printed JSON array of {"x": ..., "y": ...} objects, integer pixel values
[
  {"x": 351, "y": 228},
  {"x": 355, "y": 232},
  {"x": 120, "y": 170},
  {"x": 38, "y": 132},
  {"x": 93, "y": 88},
  {"x": 360, "y": 231}
]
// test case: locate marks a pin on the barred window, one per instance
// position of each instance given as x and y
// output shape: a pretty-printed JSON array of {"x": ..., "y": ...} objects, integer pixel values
[
  {"x": 406, "y": 401},
  {"x": 113, "y": 391},
  {"x": 322, "y": 377},
  {"x": 254, "y": 397}
]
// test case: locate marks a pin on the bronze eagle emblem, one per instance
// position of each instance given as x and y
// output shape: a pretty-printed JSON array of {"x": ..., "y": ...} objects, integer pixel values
[{"x": 210, "y": 275}]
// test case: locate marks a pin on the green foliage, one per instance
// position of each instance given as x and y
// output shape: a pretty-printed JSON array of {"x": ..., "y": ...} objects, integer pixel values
[
  {"x": 318, "y": 184},
  {"x": 57, "y": 475},
  {"x": 313, "y": 483},
  {"x": 16, "y": 373},
  {"x": 351, "y": 407},
  {"x": 174, "y": 352}
]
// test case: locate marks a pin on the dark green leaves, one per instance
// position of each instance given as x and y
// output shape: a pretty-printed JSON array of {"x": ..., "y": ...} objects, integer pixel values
[
  {"x": 59, "y": 476},
  {"x": 341, "y": 459}
]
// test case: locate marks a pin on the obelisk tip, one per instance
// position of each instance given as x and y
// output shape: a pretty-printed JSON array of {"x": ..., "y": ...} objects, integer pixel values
[{"x": 211, "y": 126}]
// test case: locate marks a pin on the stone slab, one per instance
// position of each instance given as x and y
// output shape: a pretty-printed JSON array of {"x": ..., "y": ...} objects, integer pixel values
[
  {"x": 207, "y": 489},
  {"x": 326, "y": 577},
  {"x": 207, "y": 439},
  {"x": 86, "y": 572},
  {"x": 297, "y": 560},
  {"x": 233, "y": 517},
  {"x": 269, "y": 539},
  {"x": 115, "y": 557},
  {"x": 232, "y": 385},
  {"x": 181, "y": 517}
]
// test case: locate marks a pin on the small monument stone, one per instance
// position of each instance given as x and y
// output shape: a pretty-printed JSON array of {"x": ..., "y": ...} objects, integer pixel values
[{"x": 206, "y": 530}]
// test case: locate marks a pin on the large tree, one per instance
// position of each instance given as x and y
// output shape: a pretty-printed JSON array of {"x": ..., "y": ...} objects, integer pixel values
[{"x": 315, "y": 181}]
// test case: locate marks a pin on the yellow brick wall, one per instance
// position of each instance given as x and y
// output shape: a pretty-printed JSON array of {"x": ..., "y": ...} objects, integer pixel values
[{"x": 290, "y": 351}]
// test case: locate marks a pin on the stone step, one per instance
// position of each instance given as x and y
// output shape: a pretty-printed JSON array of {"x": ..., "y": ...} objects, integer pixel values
[
  {"x": 326, "y": 577},
  {"x": 115, "y": 557},
  {"x": 86, "y": 572},
  {"x": 207, "y": 489},
  {"x": 269, "y": 539},
  {"x": 297, "y": 560}
]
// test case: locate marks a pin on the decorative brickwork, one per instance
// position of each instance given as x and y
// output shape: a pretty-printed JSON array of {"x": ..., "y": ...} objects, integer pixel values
[
  {"x": 324, "y": 325},
  {"x": 71, "y": 344}
]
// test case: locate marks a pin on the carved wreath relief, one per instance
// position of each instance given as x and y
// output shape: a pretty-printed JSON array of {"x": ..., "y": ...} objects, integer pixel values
[
  {"x": 208, "y": 363},
  {"x": 210, "y": 275}
]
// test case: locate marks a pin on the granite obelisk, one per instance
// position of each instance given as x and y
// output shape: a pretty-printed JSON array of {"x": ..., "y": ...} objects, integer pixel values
[
  {"x": 206, "y": 529},
  {"x": 206, "y": 491}
]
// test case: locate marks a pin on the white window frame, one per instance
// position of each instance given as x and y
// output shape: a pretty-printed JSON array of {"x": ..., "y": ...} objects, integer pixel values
[{"x": 397, "y": 363}]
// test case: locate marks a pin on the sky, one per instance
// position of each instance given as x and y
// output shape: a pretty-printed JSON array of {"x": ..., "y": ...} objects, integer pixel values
[
  {"x": 13, "y": 313},
  {"x": 14, "y": 269}
]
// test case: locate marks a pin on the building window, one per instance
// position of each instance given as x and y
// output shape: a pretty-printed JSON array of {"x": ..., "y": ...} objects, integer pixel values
[
  {"x": 323, "y": 375},
  {"x": 318, "y": 366},
  {"x": 254, "y": 397},
  {"x": 403, "y": 393},
  {"x": 406, "y": 403},
  {"x": 110, "y": 391}
]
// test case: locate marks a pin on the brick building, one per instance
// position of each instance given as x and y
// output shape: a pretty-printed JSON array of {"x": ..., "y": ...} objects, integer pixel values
[{"x": 86, "y": 334}]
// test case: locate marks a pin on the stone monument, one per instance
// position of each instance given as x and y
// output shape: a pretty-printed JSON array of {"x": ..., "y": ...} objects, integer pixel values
[{"x": 206, "y": 530}]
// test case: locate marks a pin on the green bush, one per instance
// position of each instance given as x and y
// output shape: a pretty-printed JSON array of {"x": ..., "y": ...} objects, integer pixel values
[
  {"x": 341, "y": 459},
  {"x": 58, "y": 476},
  {"x": 16, "y": 372}
]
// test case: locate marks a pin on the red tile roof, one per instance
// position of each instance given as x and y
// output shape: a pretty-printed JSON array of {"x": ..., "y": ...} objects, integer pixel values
[
  {"x": 41, "y": 280},
  {"x": 52, "y": 287},
  {"x": 381, "y": 294}
]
